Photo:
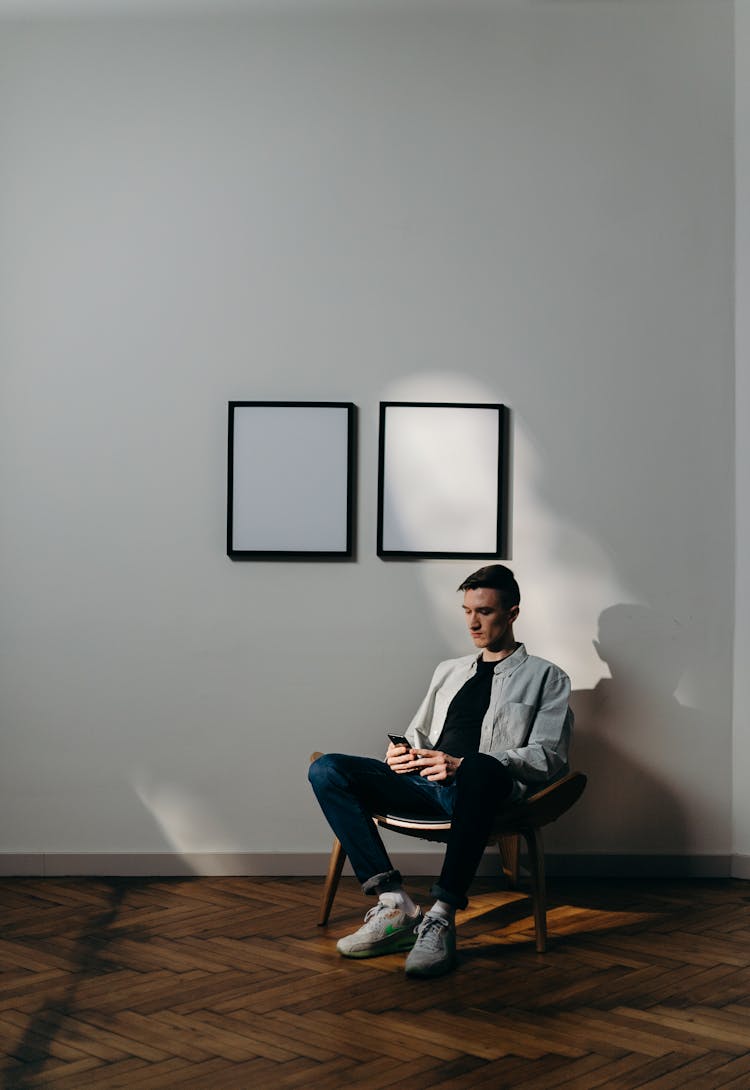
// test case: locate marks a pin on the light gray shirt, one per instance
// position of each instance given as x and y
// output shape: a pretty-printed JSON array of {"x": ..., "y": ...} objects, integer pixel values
[{"x": 528, "y": 723}]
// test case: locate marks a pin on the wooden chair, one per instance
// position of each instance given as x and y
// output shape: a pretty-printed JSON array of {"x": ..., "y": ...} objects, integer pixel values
[{"x": 522, "y": 820}]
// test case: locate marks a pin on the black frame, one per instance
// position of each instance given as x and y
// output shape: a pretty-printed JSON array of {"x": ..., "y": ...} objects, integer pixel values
[
  {"x": 237, "y": 553},
  {"x": 501, "y": 538}
]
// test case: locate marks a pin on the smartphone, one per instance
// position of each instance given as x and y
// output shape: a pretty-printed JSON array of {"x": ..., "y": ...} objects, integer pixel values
[{"x": 399, "y": 740}]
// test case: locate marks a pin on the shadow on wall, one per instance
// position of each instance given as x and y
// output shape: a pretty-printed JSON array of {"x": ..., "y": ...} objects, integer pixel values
[{"x": 632, "y": 735}]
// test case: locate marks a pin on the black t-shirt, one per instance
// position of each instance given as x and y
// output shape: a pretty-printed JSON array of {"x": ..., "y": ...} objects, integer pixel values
[{"x": 463, "y": 721}]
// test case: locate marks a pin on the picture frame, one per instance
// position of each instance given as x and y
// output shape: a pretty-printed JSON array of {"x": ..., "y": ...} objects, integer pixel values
[
  {"x": 442, "y": 480},
  {"x": 291, "y": 479}
]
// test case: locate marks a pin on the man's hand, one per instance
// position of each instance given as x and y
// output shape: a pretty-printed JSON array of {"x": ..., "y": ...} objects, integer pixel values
[
  {"x": 400, "y": 758},
  {"x": 432, "y": 764},
  {"x": 435, "y": 765}
]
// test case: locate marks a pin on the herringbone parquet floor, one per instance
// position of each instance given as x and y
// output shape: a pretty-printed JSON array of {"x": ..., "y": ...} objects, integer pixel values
[{"x": 227, "y": 984}]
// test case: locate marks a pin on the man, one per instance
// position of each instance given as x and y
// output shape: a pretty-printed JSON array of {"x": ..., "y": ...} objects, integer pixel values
[{"x": 490, "y": 727}]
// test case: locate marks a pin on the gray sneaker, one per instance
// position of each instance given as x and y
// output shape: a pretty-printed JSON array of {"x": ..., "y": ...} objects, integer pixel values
[
  {"x": 434, "y": 952},
  {"x": 386, "y": 930}
]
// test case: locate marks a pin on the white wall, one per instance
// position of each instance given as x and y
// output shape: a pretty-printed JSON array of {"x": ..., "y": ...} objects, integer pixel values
[
  {"x": 524, "y": 202},
  {"x": 741, "y": 756}
]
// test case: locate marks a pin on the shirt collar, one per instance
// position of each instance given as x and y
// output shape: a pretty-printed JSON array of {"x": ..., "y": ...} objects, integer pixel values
[{"x": 506, "y": 665}]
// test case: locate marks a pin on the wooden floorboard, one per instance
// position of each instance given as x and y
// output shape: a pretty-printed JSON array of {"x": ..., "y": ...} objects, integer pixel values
[{"x": 227, "y": 984}]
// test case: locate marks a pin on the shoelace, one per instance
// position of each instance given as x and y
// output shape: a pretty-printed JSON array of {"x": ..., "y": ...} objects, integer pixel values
[
  {"x": 429, "y": 931},
  {"x": 376, "y": 909}
]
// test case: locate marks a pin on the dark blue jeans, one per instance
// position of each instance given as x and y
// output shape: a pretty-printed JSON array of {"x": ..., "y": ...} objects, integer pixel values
[{"x": 351, "y": 789}]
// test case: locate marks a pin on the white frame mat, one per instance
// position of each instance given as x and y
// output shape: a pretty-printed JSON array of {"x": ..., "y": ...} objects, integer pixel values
[{"x": 290, "y": 490}]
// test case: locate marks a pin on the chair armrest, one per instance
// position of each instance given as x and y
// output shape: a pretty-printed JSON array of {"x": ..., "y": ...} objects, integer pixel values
[{"x": 544, "y": 806}]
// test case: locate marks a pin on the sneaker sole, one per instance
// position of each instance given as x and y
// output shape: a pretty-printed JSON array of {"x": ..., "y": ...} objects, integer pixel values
[
  {"x": 394, "y": 944},
  {"x": 432, "y": 971}
]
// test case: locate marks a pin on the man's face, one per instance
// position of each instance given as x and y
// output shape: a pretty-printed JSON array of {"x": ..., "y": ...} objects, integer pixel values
[{"x": 490, "y": 626}]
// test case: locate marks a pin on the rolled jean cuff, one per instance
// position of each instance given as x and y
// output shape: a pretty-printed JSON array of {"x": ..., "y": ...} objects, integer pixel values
[
  {"x": 450, "y": 898},
  {"x": 381, "y": 883}
]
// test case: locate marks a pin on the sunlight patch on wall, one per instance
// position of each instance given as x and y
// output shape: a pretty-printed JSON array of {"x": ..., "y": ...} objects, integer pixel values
[
  {"x": 184, "y": 820},
  {"x": 565, "y": 576}
]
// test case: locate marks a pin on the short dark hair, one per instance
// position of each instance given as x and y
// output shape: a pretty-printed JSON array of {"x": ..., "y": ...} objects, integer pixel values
[{"x": 497, "y": 577}]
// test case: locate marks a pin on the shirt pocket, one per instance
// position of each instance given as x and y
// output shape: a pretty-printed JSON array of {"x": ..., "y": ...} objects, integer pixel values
[{"x": 513, "y": 726}]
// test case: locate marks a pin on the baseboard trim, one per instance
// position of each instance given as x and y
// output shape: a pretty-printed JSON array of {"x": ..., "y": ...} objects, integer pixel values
[
  {"x": 292, "y": 864},
  {"x": 741, "y": 866},
  {"x": 163, "y": 864},
  {"x": 638, "y": 865}
]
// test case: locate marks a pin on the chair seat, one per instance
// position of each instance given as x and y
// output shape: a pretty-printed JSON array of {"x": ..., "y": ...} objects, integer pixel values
[
  {"x": 541, "y": 808},
  {"x": 413, "y": 824}
]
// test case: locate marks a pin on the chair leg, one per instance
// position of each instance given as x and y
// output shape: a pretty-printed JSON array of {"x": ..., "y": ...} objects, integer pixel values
[
  {"x": 509, "y": 853},
  {"x": 538, "y": 887},
  {"x": 335, "y": 867}
]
